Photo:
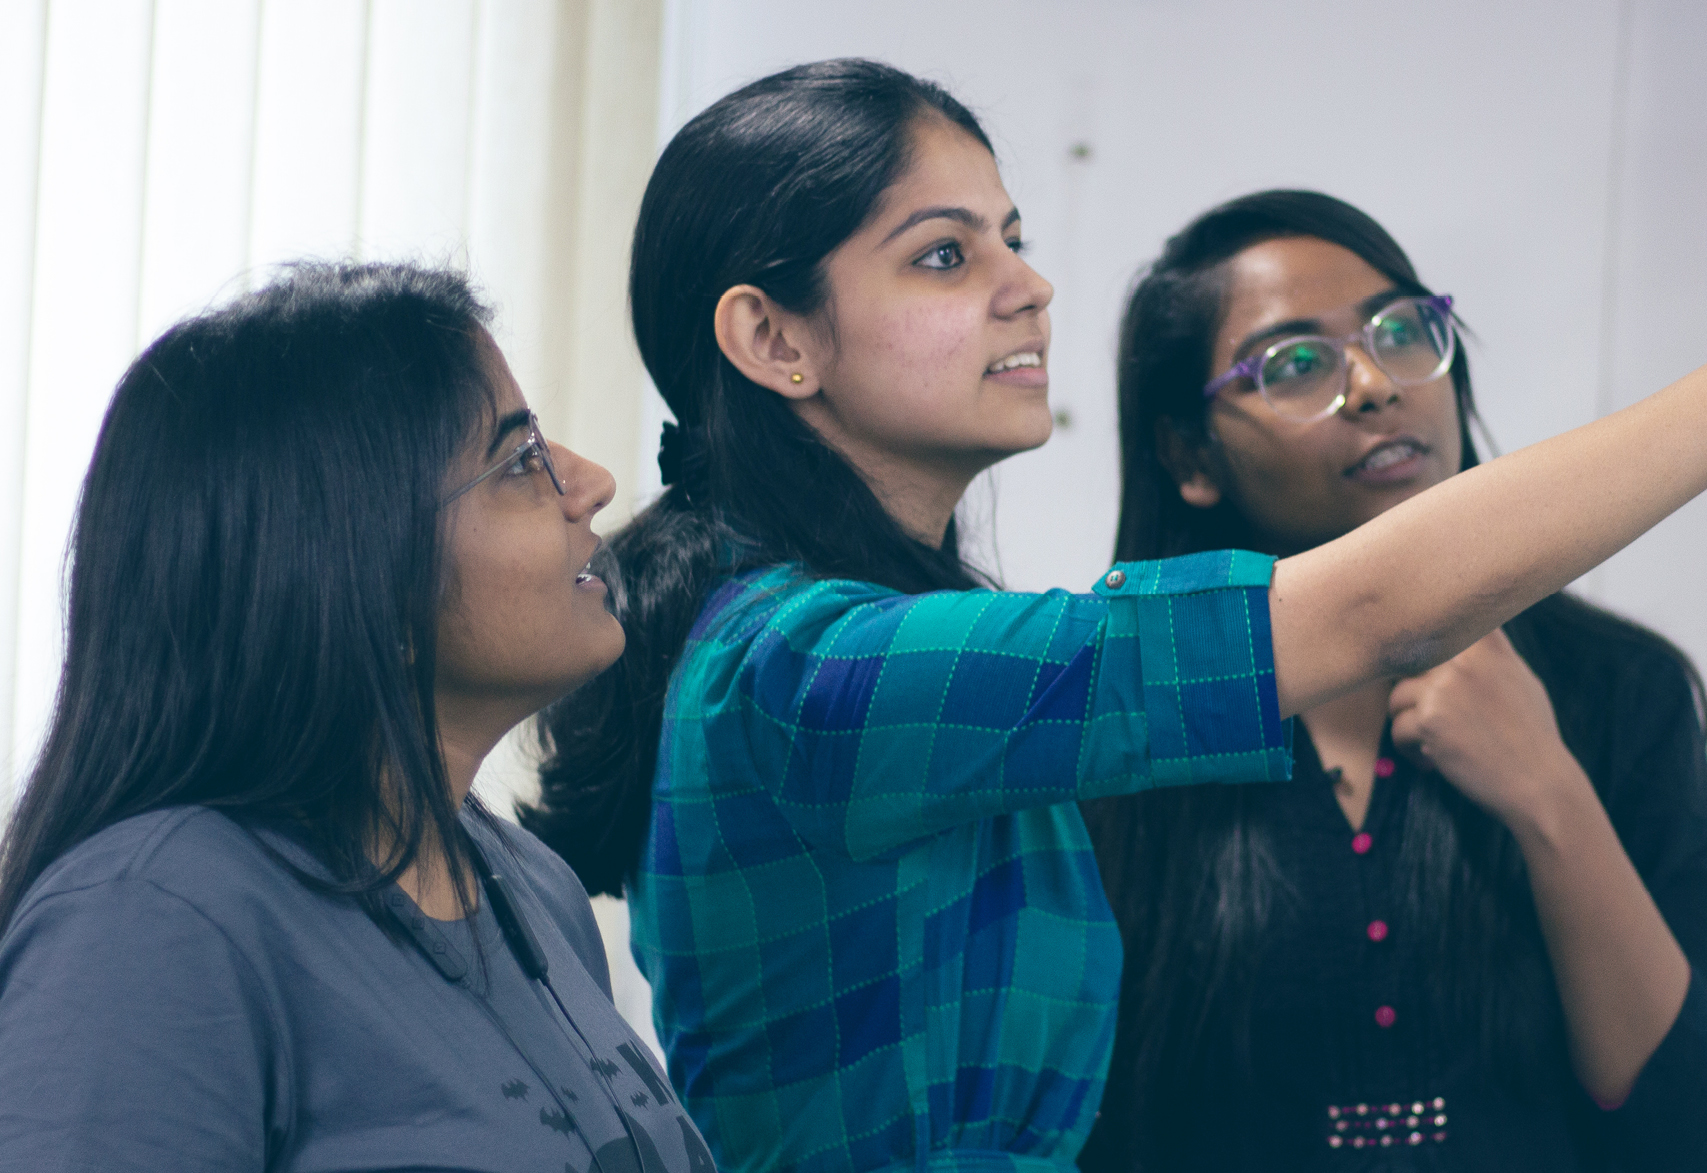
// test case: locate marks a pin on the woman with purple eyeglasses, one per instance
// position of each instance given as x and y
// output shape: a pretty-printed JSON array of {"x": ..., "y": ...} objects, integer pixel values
[{"x": 1468, "y": 936}]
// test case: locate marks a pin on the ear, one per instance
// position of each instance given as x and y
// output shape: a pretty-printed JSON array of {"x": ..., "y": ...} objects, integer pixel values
[
  {"x": 766, "y": 343},
  {"x": 1186, "y": 462}
]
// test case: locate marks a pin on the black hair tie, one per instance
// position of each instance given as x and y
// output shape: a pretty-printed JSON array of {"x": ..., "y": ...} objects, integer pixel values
[{"x": 681, "y": 455}]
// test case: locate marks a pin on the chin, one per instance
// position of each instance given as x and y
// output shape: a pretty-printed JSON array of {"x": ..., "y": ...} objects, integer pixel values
[
  {"x": 1031, "y": 431},
  {"x": 610, "y": 641},
  {"x": 592, "y": 648}
]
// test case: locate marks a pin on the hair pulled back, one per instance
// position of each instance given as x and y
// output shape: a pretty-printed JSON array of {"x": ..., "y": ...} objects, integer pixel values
[
  {"x": 256, "y": 575},
  {"x": 758, "y": 189}
]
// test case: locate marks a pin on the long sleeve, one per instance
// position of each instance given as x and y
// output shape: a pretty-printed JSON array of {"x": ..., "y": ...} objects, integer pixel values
[
  {"x": 1656, "y": 796},
  {"x": 131, "y": 1037},
  {"x": 875, "y": 719}
]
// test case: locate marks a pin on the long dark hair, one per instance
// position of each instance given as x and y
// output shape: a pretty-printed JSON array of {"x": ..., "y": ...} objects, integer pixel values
[
  {"x": 1191, "y": 872},
  {"x": 256, "y": 577},
  {"x": 759, "y": 189}
]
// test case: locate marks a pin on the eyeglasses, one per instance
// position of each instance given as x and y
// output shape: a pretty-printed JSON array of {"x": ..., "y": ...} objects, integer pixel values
[
  {"x": 520, "y": 462},
  {"x": 1303, "y": 377}
]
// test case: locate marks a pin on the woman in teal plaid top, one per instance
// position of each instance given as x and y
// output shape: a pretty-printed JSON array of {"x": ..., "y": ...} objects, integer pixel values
[{"x": 833, "y": 772}]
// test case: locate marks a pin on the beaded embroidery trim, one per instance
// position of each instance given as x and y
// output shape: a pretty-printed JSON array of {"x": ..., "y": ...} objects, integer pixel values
[{"x": 1364, "y": 1126}]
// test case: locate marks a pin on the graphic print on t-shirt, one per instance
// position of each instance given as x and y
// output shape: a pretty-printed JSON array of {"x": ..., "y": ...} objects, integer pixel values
[{"x": 638, "y": 1151}]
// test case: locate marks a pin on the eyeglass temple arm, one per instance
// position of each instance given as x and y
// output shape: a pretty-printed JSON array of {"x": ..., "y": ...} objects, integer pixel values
[{"x": 1243, "y": 370}]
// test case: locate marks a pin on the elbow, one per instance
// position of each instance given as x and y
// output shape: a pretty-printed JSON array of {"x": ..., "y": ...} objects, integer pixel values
[{"x": 1607, "y": 1091}]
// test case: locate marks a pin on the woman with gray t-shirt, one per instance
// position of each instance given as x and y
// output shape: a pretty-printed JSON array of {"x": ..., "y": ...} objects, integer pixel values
[{"x": 250, "y": 917}]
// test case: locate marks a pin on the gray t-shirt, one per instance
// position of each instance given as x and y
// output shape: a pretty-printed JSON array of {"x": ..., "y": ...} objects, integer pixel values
[{"x": 171, "y": 997}]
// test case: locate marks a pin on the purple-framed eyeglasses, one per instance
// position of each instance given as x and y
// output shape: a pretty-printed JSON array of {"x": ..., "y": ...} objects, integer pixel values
[
  {"x": 521, "y": 460},
  {"x": 1303, "y": 377}
]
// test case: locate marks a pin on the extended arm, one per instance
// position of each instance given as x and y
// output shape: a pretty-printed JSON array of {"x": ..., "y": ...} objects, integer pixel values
[
  {"x": 1384, "y": 601},
  {"x": 876, "y": 719}
]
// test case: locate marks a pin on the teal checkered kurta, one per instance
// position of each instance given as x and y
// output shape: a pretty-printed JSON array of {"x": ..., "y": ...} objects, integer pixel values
[{"x": 867, "y": 904}]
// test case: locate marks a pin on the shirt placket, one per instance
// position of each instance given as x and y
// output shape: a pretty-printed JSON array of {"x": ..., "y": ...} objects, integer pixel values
[{"x": 1392, "y": 1123}]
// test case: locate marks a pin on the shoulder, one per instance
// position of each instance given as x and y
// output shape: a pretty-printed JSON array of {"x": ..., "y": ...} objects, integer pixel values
[
  {"x": 1627, "y": 701},
  {"x": 174, "y": 912},
  {"x": 528, "y": 860},
  {"x": 753, "y": 616},
  {"x": 185, "y": 875},
  {"x": 1579, "y": 649},
  {"x": 745, "y": 604},
  {"x": 190, "y": 852},
  {"x": 541, "y": 873}
]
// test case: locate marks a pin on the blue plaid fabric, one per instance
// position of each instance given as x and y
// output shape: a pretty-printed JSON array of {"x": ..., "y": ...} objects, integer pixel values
[{"x": 867, "y": 904}]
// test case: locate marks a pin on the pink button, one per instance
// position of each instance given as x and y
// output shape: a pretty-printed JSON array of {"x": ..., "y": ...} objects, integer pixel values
[
  {"x": 1383, "y": 767},
  {"x": 1378, "y": 932},
  {"x": 1385, "y": 1017},
  {"x": 1361, "y": 843}
]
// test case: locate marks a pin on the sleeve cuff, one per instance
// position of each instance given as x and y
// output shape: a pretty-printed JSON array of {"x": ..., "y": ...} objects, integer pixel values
[
  {"x": 1193, "y": 634},
  {"x": 1662, "y": 1116}
]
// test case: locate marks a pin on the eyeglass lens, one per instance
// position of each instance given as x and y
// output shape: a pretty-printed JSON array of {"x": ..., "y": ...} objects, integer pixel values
[{"x": 1411, "y": 341}]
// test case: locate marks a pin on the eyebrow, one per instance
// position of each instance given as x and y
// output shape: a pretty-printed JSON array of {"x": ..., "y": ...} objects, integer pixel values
[
  {"x": 506, "y": 425},
  {"x": 1366, "y": 307},
  {"x": 964, "y": 216}
]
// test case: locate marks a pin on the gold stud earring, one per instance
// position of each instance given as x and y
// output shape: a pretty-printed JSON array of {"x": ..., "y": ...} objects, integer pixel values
[{"x": 797, "y": 377}]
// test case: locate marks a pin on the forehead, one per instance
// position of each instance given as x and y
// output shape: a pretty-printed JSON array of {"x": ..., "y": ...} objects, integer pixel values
[
  {"x": 1295, "y": 277},
  {"x": 500, "y": 380},
  {"x": 948, "y": 167}
]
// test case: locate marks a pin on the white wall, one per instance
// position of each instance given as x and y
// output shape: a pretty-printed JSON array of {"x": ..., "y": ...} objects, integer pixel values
[{"x": 1551, "y": 172}]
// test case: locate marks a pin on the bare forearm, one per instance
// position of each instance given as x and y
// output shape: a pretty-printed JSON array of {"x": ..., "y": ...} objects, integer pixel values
[
  {"x": 1621, "y": 975},
  {"x": 1430, "y": 576}
]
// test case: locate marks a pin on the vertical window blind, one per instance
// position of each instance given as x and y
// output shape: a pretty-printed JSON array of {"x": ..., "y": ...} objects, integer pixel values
[{"x": 156, "y": 155}]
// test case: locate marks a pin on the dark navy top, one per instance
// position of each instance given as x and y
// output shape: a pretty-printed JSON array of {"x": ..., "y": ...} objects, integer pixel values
[
  {"x": 1353, "y": 1064},
  {"x": 172, "y": 997}
]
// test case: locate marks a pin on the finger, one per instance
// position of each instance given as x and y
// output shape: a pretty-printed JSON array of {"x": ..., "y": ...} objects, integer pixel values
[
  {"x": 1408, "y": 735},
  {"x": 1407, "y": 694},
  {"x": 1405, "y": 728}
]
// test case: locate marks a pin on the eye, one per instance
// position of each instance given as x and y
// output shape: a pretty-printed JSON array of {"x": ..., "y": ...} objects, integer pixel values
[
  {"x": 1301, "y": 360},
  {"x": 1396, "y": 332},
  {"x": 1019, "y": 246},
  {"x": 527, "y": 461},
  {"x": 946, "y": 255}
]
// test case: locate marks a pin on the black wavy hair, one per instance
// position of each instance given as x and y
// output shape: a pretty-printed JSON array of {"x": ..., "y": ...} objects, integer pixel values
[
  {"x": 758, "y": 189},
  {"x": 1190, "y": 871},
  {"x": 256, "y": 577}
]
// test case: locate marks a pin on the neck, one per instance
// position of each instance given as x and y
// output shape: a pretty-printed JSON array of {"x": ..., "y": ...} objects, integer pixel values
[
  {"x": 1347, "y": 735},
  {"x": 463, "y": 756},
  {"x": 919, "y": 490},
  {"x": 467, "y": 733},
  {"x": 1358, "y": 715},
  {"x": 922, "y": 505}
]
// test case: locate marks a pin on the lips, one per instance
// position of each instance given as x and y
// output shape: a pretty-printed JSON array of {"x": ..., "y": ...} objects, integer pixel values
[
  {"x": 586, "y": 575},
  {"x": 1388, "y": 455},
  {"x": 1013, "y": 362}
]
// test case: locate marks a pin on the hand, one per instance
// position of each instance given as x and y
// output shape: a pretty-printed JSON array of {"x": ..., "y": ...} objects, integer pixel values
[{"x": 1485, "y": 722}]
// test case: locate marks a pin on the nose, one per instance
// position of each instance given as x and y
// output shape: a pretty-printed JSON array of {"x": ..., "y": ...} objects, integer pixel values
[
  {"x": 1023, "y": 290},
  {"x": 1368, "y": 388},
  {"x": 587, "y": 486}
]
